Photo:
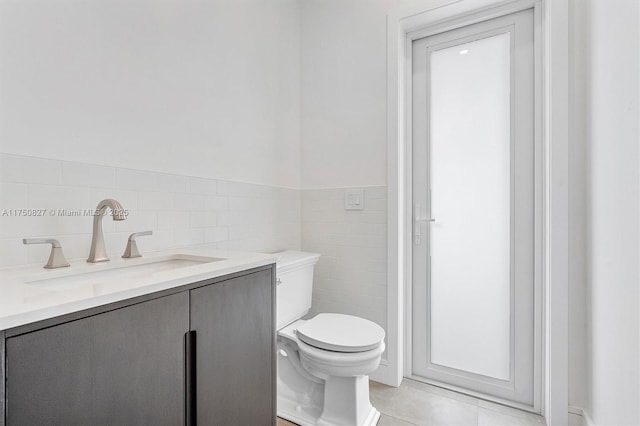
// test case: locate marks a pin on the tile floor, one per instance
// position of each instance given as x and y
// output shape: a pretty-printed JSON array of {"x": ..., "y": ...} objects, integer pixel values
[{"x": 415, "y": 403}]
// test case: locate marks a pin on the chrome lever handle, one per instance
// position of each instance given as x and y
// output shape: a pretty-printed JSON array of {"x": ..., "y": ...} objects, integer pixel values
[
  {"x": 56, "y": 257},
  {"x": 132, "y": 248},
  {"x": 417, "y": 221}
]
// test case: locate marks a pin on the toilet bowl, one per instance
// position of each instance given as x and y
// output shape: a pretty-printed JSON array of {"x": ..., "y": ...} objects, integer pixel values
[{"x": 323, "y": 362}]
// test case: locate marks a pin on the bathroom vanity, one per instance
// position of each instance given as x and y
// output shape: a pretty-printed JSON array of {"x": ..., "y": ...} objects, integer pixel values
[{"x": 189, "y": 345}]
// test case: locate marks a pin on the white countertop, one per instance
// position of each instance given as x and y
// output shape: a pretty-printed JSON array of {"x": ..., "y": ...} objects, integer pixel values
[{"x": 22, "y": 302}]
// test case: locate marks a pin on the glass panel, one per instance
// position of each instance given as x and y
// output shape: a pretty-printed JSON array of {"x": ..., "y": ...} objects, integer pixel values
[{"x": 470, "y": 200}]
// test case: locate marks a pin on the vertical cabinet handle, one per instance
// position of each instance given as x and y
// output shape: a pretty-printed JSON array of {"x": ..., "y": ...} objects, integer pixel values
[{"x": 190, "y": 378}]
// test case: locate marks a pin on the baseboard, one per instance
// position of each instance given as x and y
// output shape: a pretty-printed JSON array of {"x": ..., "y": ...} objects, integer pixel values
[{"x": 586, "y": 419}]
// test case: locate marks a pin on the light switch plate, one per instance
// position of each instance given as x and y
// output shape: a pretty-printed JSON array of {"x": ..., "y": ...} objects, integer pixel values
[{"x": 354, "y": 199}]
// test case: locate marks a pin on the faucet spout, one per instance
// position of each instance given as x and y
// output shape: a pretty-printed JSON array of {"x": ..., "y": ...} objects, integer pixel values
[{"x": 98, "y": 252}]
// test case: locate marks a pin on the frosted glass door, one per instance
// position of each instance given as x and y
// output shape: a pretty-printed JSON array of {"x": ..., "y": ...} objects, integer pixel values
[
  {"x": 474, "y": 194},
  {"x": 470, "y": 199}
]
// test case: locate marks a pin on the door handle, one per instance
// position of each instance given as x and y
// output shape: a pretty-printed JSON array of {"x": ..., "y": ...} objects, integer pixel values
[
  {"x": 418, "y": 220},
  {"x": 190, "y": 400}
]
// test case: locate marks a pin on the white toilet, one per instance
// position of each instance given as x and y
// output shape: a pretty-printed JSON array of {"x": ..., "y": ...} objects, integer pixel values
[{"x": 324, "y": 362}]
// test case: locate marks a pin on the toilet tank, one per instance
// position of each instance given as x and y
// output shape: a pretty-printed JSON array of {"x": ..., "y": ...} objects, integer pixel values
[{"x": 294, "y": 278}]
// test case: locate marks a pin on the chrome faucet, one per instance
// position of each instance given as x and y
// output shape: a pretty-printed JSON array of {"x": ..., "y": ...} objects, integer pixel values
[{"x": 98, "y": 252}]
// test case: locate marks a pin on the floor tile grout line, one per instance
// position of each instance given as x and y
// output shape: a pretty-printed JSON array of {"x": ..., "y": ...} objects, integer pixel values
[
  {"x": 478, "y": 402},
  {"x": 398, "y": 418}
]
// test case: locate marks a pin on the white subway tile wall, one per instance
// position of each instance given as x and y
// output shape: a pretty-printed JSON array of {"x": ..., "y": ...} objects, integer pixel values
[
  {"x": 180, "y": 210},
  {"x": 351, "y": 275}
]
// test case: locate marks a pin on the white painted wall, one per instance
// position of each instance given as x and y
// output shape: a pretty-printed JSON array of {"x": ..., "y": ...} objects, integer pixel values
[
  {"x": 613, "y": 165},
  {"x": 344, "y": 92},
  {"x": 207, "y": 88}
]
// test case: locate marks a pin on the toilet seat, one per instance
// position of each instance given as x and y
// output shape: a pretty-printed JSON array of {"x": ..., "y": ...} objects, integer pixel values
[
  {"x": 323, "y": 363},
  {"x": 341, "y": 333}
]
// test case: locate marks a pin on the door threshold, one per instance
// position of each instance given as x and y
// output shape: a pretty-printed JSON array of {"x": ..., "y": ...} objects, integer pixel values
[{"x": 477, "y": 395}]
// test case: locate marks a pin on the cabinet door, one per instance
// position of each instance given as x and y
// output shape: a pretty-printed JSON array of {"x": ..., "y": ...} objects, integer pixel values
[
  {"x": 235, "y": 350},
  {"x": 122, "y": 367}
]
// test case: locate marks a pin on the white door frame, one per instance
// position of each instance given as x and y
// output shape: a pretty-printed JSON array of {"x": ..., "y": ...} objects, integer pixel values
[{"x": 438, "y": 15}]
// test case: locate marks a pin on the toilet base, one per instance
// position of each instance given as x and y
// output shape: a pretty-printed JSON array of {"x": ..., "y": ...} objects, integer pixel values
[
  {"x": 310, "y": 401},
  {"x": 340, "y": 401},
  {"x": 307, "y": 416},
  {"x": 300, "y": 400},
  {"x": 346, "y": 402},
  {"x": 371, "y": 420}
]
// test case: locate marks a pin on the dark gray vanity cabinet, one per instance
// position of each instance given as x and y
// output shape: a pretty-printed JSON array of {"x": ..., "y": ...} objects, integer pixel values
[
  {"x": 119, "y": 367},
  {"x": 199, "y": 354},
  {"x": 235, "y": 335}
]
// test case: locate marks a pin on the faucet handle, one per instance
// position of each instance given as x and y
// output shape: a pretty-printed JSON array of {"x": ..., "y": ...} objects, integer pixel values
[
  {"x": 56, "y": 257},
  {"x": 132, "y": 247}
]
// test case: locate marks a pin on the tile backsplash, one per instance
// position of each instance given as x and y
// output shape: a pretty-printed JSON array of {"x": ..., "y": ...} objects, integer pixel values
[
  {"x": 351, "y": 275},
  {"x": 48, "y": 198},
  {"x": 184, "y": 211}
]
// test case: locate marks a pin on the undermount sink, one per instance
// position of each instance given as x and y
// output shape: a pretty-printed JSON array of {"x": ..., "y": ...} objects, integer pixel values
[{"x": 112, "y": 273}]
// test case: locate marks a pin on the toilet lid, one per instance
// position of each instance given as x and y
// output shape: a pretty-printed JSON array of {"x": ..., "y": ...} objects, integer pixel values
[{"x": 341, "y": 333}]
